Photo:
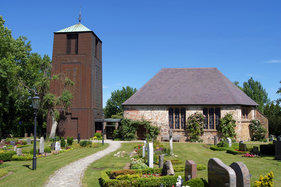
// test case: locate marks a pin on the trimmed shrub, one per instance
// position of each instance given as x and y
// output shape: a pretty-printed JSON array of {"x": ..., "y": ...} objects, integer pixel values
[
  {"x": 6, "y": 155},
  {"x": 197, "y": 182},
  {"x": 230, "y": 151},
  {"x": 62, "y": 142},
  {"x": 215, "y": 148},
  {"x": 47, "y": 150},
  {"x": 257, "y": 130},
  {"x": 194, "y": 127},
  {"x": 22, "y": 158},
  {"x": 98, "y": 135},
  {"x": 201, "y": 167},
  {"x": 85, "y": 143},
  {"x": 227, "y": 126},
  {"x": 69, "y": 140}
]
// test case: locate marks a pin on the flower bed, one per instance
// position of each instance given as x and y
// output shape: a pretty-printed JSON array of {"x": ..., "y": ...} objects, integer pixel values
[{"x": 145, "y": 177}]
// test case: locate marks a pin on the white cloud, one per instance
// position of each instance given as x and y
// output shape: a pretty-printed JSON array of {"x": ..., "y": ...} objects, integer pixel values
[
  {"x": 104, "y": 86},
  {"x": 275, "y": 61}
]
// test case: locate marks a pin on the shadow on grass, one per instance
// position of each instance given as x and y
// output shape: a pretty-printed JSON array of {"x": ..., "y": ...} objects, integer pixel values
[{"x": 27, "y": 166}]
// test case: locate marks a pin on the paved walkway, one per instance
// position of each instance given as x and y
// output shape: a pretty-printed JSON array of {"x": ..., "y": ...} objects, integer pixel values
[{"x": 72, "y": 174}]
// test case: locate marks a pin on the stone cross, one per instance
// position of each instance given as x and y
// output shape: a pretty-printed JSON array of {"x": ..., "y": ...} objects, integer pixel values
[
  {"x": 242, "y": 146},
  {"x": 41, "y": 148},
  {"x": 161, "y": 160},
  {"x": 229, "y": 141},
  {"x": 171, "y": 141},
  {"x": 220, "y": 174},
  {"x": 57, "y": 146},
  {"x": 28, "y": 141},
  {"x": 215, "y": 140},
  {"x": 278, "y": 150},
  {"x": 150, "y": 155},
  {"x": 190, "y": 170},
  {"x": 242, "y": 174},
  {"x": 19, "y": 151},
  {"x": 168, "y": 168}
]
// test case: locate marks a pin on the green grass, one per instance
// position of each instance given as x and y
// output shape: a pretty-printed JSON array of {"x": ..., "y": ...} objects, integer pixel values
[
  {"x": 22, "y": 175},
  {"x": 199, "y": 153},
  {"x": 92, "y": 174}
]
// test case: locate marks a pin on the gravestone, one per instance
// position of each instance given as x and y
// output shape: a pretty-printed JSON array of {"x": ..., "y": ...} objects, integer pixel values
[
  {"x": 242, "y": 174},
  {"x": 57, "y": 146},
  {"x": 41, "y": 150},
  {"x": 31, "y": 134},
  {"x": 215, "y": 140},
  {"x": 190, "y": 170},
  {"x": 161, "y": 160},
  {"x": 168, "y": 168},
  {"x": 78, "y": 137},
  {"x": 15, "y": 148},
  {"x": 28, "y": 141},
  {"x": 13, "y": 143},
  {"x": 53, "y": 146},
  {"x": 242, "y": 146},
  {"x": 25, "y": 135},
  {"x": 220, "y": 174},
  {"x": 255, "y": 150},
  {"x": 150, "y": 155},
  {"x": 19, "y": 151},
  {"x": 229, "y": 141},
  {"x": 271, "y": 137},
  {"x": 279, "y": 138},
  {"x": 278, "y": 150},
  {"x": 179, "y": 182},
  {"x": 143, "y": 149},
  {"x": 171, "y": 141}
]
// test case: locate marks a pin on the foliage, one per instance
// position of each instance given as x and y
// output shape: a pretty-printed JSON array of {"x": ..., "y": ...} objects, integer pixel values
[
  {"x": 257, "y": 130},
  {"x": 197, "y": 182},
  {"x": 98, "y": 135},
  {"x": 201, "y": 167},
  {"x": 62, "y": 142},
  {"x": 227, "y": 126},
  {"x": 128, "y": 177},
  {"x": 114, "y": 103},
  {"x": 3, "y": 172},
  {"x": 85, "y": 143},
  {"x": 266, "y": 181},
  {"x": 255, "y": 91},
  {"x": 31, "y": 151},
  {"x": 234, "y": 152},
  {"x": 273, "y": 113},
  {"x": 223, "y": 143},
  {"x": 194, "y": 128},
  {"x": 47, "y": 150},
  {"x": 138, "y": 164},
  {"x": 22, "y": 158},
  {"x": 216, "y": 148},
  {"x": 127, "y": 129},
  {"x": 6, "y": 155},
  {"x": 69, "y": 140},
  {"x": 176, "y": 162}
]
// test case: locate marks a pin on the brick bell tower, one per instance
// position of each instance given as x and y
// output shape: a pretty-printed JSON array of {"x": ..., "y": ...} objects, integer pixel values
[{"x": 77, "y": 54}]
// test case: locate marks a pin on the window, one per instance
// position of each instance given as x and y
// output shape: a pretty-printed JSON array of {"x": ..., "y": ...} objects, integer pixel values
[
  {"x": 177, "y": 118},
  {"x": 245, "y": 111},
  {"x": 72, "y": 44},
  {"x": 212, "y": 117}
]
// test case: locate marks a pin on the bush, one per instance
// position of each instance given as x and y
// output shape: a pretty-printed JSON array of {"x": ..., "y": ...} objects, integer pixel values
[
  {"x": 62, "y": 142},
  {"x": 223, "y": 144},
  {"x": 138, "y": 164},
  {"x": 47, "y": 150},
  {"x": 194, "y": 127},
  {"x": 98, "y": 135},
  {"x": 197, "y": 182},
  {"x": 22, "y": 158},
  {"x": 216, "y": 148},
  {"x": 3, "y": 172},
  {"x": 257, "y": 130},
  {"x": 230, "y": 151},
  {"x": 227, "y": 126},
  {"x": 85, "y": 143},
  {"x": 31, "y": 151},
  {"x": 6, "y": 155},
  {"x": 128, "y": 177},
  {"x": 266, "y": 181},
  {"x": 201, "y": 167},
  {"x": 69, "y": 140}
]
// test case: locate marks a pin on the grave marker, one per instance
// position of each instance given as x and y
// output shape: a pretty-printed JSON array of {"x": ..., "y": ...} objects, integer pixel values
[
  {"x": 28, "y": 141},
  {"x": 229, "y": 141},
  {"x": 242, "y": 146},
  {"x": 13, "y": 143},
  {"x": 215, "y": 140},
  {"x": 161, "y": 160},
  {"x": 242, "y": 174},
  {"x": 41, "y": 148},
  {"x": 190, "y": 170},
  {"x": 171, "y": 141},
  {"x": 168, "y": 168},
  {"x": 150, "y": 155},
  {"x": 57, "y": 146},
  {"x": 255, "y": 150},
  {"x": 19, "y": 151},
  {"x": 278, "y": 150}
]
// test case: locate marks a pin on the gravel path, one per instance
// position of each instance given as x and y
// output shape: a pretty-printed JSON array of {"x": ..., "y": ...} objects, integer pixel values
[{"x": 71, "y": 175}]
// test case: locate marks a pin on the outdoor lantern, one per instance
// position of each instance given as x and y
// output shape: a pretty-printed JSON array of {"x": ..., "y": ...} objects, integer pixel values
[{"x": 35, "y": 102}]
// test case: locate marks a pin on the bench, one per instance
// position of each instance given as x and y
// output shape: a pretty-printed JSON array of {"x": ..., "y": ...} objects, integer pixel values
[{"x": 176, "y": 138}]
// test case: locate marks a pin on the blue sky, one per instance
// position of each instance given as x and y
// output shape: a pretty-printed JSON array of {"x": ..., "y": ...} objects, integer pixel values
[{"x": 240, "y": 38}]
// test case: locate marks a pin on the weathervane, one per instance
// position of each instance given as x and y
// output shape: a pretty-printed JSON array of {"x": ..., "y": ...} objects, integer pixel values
[{"x": 80, "y": 17}]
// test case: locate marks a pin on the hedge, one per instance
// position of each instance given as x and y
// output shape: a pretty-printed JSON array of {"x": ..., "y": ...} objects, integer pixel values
[
  {"x": 215, "y": 148},
  {"x": 22, "y": 157},
  {"x": 136, "y": 182},
  {"x": 6, "y": 156}
]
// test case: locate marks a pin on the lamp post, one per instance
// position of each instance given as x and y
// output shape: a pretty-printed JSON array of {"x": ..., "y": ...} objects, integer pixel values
[{"x": 35, "y": 105}]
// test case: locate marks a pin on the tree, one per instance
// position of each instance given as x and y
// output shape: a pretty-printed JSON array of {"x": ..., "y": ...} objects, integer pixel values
[
  {"x": 255, "y": 91},
  {"x": 279, "y": 92},
  {"x": 114, "y": 103},
  {"x": 227, "y": 127},
  {"x": 273, "y": 113}
]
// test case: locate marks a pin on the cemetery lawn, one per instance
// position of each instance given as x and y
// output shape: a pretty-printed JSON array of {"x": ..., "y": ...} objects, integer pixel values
[
  {"x": 20, "y": 173},
  {"x": 199, "y": 153}
]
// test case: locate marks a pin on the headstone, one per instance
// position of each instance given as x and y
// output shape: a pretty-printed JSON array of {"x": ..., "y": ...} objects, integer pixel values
[
  {"x": 143, "y": 151},
  {"x": 255, "y": 150},
  {"x": 190, "y": 170},
  {"x": 57, "y": 146},
  {"x": 168, "y": 168},
  {"x": 161, "y": 160},
  {"x": 78, "y": 137},
  {"x": 28, "y": 141},
  {"x": 278, "y": 150},
  {"x": 179, "y": 182},
  {"x": 242, "y": 146},
  {"x": 229, "y": 141},
  {"x": 13, "y": 143},
  {"x": 41, "y": 150},
  {"x": 25, "y": 135},
  {"x": 171, "y": 141},
  {"x": 279, "y": 138},
  {"x": 53, "y": 146},
  {"x": 242, "y": 174},
  {"x": 271, "y": 137},
  {"x": 31, "y": 134},
  {"x": 220, "y": 174},
  {"x": 215, "y": 140},
  {"x": 19, "y": 151},
  {"x": 150, "y": 155},
  {"x": 15, "y": 148}
]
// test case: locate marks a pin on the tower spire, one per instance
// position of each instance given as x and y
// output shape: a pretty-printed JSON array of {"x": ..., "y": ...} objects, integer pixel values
[{"x": 80, "y": 17}]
